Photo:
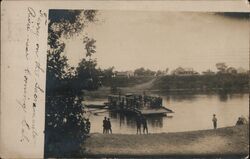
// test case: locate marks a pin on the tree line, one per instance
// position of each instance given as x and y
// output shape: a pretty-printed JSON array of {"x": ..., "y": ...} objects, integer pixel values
[
  {"x": 215, "y": 83},
  {"x": 222, "y": 68}
]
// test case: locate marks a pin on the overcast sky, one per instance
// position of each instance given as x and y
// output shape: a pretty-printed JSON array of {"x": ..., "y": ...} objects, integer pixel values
[{"x": 158, "y": 40}]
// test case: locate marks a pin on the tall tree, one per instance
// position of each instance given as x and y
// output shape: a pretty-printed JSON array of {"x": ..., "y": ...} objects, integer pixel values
[
  {"x": 222, "y": 67},
  {"x": 65, "y": 127},
  {"x": 144, "y": 72}
]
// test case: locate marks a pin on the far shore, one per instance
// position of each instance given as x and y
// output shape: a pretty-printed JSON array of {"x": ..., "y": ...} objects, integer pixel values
[
  {"x": 103, "y": 92},
  {"x": 228, "y": 141}
]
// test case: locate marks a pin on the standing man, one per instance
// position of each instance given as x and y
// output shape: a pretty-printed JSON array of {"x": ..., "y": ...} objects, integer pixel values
[
  {"x": 138, "y": 124},
  {"x": 109, "y": 129},
  {"x": 214, "y": 121},
  {"x": 104, "y": 125},
  {"x": 145, "y": 125}
]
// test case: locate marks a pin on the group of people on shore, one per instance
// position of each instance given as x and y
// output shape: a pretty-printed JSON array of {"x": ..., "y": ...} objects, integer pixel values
[
  {"x": 241, "y": 121},
  {"x": 141, "y": 121},
  {"x": 107, "y": 128}
]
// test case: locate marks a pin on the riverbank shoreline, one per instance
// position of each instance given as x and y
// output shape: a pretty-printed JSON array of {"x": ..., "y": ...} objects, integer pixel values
[
  {"x": 105, "y": 91},
  {"x": 228, "y": 141}
]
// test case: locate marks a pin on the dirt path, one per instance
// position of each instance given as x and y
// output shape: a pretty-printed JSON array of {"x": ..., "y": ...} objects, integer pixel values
[
  {"x": 146, "y": 85},
  {"x": 105, "y": 91},
  {"x": 229, "y": 141},
  {"x": 139, "y": 87}
]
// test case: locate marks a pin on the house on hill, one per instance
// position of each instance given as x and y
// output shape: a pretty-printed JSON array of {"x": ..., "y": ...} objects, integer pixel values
[
  {"x": 241, "y": 70},
  {"x": 231, "y": 70},
  {"x": 184, "y": 72},
  {"x": 208, "y": 72},
  {"x": 124, "y": 74}
]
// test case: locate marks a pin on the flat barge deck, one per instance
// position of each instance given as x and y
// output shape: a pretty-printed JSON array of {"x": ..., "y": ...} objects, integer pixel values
[{"x": 138, "y": 104}]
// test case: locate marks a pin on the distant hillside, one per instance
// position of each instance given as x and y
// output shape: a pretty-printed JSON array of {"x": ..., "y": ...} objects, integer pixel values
[
  {"x": 172, "y": 83},
  {"x": 224, "y": 82}
]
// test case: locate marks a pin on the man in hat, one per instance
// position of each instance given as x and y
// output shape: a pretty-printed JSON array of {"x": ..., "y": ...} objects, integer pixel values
[{"x": 214, "y": 121}]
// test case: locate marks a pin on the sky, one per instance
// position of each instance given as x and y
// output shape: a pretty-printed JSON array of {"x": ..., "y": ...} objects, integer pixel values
[{"x": 158, "y": 40}]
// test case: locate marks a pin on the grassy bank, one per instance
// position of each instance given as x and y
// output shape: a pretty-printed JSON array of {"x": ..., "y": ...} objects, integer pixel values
[{"x": 223, "y": 141}]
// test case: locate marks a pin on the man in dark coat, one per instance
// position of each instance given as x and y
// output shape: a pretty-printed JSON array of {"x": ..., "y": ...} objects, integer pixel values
[
  {"x": 138, "y": 125},
  {"x": 145, "y": 125},
  {"x": 104, "y": 125},
  {"x": 109, "y": 127},
  {"x": 214, "y": 121}
]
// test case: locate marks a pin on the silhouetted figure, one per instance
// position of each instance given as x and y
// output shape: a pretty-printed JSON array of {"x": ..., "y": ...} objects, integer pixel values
[
  {"x": 145, "y": 125},
  {"x": 109, "y": 129},
  {"x": 105, "y": 125},
  {"x": 240, "y": 121},
  {"x": 88, "y": 125},
  {"x": 138, "y": 125},
  {"x": 214, "y": 121}
]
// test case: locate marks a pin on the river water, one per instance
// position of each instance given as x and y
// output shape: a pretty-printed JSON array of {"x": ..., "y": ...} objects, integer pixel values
[{"x": 191, "y": 112}]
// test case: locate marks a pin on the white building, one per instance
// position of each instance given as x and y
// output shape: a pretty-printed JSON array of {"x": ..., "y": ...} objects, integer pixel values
[
  {"x": 125, "y": 74},
  {"x": 184, "y": 71},
  {"x": 208, "y": 72},
  {"x": 241, "y": 70}
]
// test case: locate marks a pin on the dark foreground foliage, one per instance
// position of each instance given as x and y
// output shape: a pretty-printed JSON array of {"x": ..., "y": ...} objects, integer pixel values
[{"x": 65, "y": 125}]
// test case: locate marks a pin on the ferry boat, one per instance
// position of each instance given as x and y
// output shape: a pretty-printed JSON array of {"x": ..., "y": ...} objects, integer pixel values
[{"x": 136, "y": 103}]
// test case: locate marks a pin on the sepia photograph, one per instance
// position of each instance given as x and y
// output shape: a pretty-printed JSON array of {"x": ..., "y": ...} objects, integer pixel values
[{"x": 138, "y": 84}]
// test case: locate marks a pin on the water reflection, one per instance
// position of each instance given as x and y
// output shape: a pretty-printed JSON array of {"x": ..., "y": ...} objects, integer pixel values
[
  {"x": 191, "y": 112},
  {"x": 177, "y": 97},
  {"x": 223, "y": 97},
  {"x": 154, "y": 121}
]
